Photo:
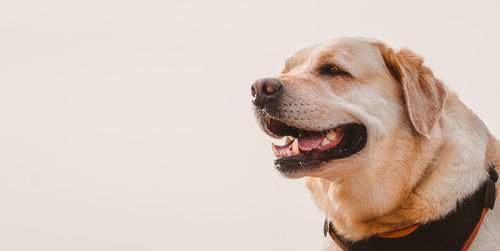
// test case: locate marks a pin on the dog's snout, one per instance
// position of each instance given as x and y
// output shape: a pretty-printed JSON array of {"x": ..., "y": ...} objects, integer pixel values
[{"x": 265, "y": 89}]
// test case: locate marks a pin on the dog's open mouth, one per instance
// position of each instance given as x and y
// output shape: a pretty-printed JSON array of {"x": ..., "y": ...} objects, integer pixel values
[{"x": 305, "y": 150}]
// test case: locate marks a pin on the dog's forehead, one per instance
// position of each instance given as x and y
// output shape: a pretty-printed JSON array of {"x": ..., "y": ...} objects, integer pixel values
[
  {"x": 345, "y": 46},
  {"x": 301, "y": 56},
  {"x": 348, "y": 50}
]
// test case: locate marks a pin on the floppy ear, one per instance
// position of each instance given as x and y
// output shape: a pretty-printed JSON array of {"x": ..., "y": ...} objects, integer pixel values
[{"x": 424, "y": 95}]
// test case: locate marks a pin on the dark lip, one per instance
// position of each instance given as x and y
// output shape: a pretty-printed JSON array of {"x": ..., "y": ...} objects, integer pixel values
[
  {"x": 265, "y": 122},
  {"x": 354, "y": 141}
]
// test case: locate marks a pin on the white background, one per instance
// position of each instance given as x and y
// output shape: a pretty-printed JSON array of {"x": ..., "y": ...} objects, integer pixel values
[{"x": 127, "y": 125}]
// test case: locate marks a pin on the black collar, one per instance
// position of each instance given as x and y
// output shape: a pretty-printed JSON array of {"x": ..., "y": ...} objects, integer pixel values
[{"x": 455, "y": 231}]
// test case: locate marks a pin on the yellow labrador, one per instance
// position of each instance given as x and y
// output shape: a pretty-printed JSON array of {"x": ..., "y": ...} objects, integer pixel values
[{"x": 384, "y": 145}]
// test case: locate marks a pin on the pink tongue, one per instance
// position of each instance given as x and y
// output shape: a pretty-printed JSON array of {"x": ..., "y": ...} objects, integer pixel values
[{"x": 309, "y": 142}]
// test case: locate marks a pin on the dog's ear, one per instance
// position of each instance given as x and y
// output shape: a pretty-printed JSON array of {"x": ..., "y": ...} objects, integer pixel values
[{"x": 424, "y": 95}]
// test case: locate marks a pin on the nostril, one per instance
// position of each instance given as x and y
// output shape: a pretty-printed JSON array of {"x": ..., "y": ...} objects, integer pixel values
[
  {"x": 253, "y": 91},
  {"x": 272, "y": 88}
]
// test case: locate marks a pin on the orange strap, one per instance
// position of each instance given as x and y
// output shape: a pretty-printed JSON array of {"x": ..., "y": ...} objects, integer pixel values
[
  {"x": 334, "y": 238},
  {"x": 393, "y": 234},
  {"x": 399, "y": 233},
  {"x": 476, "y": 229}
]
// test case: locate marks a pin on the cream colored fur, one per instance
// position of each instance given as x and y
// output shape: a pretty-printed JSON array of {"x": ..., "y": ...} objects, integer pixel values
[{"x": 417, "y": 163}]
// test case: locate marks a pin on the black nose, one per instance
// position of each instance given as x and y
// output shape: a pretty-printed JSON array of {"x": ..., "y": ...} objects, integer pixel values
[{"x": 265, "y": 89}]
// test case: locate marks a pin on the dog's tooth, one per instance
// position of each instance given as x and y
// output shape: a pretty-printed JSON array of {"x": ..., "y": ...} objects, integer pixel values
[
  {"x": 288, "y": 139},
  {"x": 331, "y": 135},
  {"x": 295, "y": 146},
  {"x": 276, "y": 153},
  {"x": 325, "y": 142}
]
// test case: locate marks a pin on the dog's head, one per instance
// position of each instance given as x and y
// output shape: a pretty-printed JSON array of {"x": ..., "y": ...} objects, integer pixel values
[{"x": 347, "y": 105}]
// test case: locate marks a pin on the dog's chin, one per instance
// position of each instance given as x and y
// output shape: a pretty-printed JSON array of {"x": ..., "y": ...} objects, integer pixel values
[{"x": 307, "y": 152}]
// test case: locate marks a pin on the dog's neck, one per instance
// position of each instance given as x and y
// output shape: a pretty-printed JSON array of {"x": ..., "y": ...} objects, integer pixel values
[{"x": 441, "y": 171}]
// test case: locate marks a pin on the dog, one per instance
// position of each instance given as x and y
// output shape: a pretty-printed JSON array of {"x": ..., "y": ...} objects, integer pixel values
[{"x": 386, "y": 147}]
